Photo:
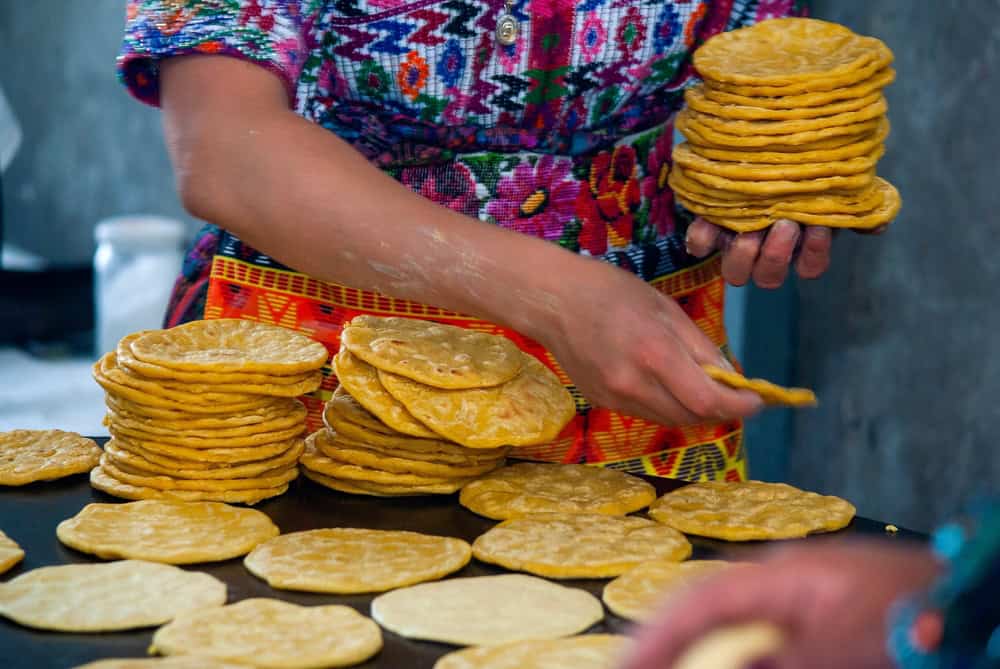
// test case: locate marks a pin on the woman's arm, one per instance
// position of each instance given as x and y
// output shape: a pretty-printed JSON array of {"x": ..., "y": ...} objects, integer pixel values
[{"x": 244, "y": 161}]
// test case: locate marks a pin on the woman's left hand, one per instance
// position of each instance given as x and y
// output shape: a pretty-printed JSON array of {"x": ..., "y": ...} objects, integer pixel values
[{"x": 764, "y": 256}]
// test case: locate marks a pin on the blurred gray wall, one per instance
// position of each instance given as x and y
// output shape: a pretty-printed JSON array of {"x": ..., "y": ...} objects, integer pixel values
[
  {"x": 89, "y": 150},
  {"x": 900, "y": 339}
]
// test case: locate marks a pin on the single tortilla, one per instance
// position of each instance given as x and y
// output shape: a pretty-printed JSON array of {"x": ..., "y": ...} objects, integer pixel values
[
  {"x": 231, "y": 345},
  {"x": 487, "y": 610},
  {"x": 578, "y": 545},
  {"x": 750, "y": 510},
  {"x": 105, "y": 597},
  {"x": 27, "y": 456},
  {"x": 788, "y": 51},
  {"x": 273, "y": 634},
  {"x": 166, "y": 531},
  {"x": 527, "y": 488},
  {"x": 349, "y": 560}
]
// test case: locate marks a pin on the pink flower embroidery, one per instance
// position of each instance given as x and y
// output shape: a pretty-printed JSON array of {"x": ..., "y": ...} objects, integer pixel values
[
  {"x": 592, "y": 37},
  {"x": 537, "y": 201}
]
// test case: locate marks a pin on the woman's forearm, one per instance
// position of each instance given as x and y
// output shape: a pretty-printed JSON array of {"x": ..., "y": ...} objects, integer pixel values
[{"x": 305, "y": 197}]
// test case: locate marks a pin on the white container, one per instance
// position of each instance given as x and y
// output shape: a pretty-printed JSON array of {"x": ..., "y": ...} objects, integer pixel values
[{"x": 137, "y": 261}]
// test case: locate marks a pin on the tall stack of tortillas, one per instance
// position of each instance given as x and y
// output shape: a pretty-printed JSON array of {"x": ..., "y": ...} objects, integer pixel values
[
  {"x": 424, "y": 408},
  {"x": 789, "y": 124},
  {"x": 206, "y": 411}
]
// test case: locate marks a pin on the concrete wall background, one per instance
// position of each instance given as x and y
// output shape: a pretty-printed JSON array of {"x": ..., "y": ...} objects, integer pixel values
[
  {"x": 900, "y": 339},
  {"x": 89, "y": 151}
]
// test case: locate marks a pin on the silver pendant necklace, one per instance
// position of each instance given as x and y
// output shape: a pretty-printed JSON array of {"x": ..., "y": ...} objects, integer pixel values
[{"x": 508, "y": 28}]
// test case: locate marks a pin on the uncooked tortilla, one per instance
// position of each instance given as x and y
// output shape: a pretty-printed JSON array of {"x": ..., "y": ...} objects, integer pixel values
[{"x": 487, "y": 610}]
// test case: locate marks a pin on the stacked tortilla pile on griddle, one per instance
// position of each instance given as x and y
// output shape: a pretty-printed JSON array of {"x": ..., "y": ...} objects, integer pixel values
[
  {"x": 206, "y": 411},
  {"x": 423, "y": 408},
  {"x": 789, "y": 124}
]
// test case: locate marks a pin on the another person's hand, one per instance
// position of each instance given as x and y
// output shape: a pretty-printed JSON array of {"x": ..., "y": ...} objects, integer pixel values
[
  {"x": 630, "y": 348},
  {"x": 830, "y": 600},
  {"x": 764, "y": 256}
]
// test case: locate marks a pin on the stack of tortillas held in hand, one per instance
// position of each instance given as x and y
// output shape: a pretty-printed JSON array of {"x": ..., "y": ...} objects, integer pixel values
[
  {"x": 424, "y": 408},
  {"x": 789, "y": 124},
  {"x": 206, "y": 411}
]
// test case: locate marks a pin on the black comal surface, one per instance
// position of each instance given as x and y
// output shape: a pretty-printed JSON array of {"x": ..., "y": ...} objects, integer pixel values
[{"x": 29, "y": 515}]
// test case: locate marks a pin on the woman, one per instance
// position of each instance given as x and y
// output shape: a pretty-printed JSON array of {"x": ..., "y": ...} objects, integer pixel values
[{"x": 399, "y": 147}]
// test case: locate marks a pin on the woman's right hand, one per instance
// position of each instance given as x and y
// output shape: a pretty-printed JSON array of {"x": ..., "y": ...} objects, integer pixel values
[{"x": 632, "y": 349}]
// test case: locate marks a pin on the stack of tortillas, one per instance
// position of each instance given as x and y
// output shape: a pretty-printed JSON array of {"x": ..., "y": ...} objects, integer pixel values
[
  {"x": 424, "y": 408},
  {"x": 789, "y": 124},
  {"x": 206, "y": 411}
]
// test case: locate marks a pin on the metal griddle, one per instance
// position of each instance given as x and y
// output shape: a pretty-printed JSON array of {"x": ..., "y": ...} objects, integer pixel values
[{"x": 29, "y": 515}]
